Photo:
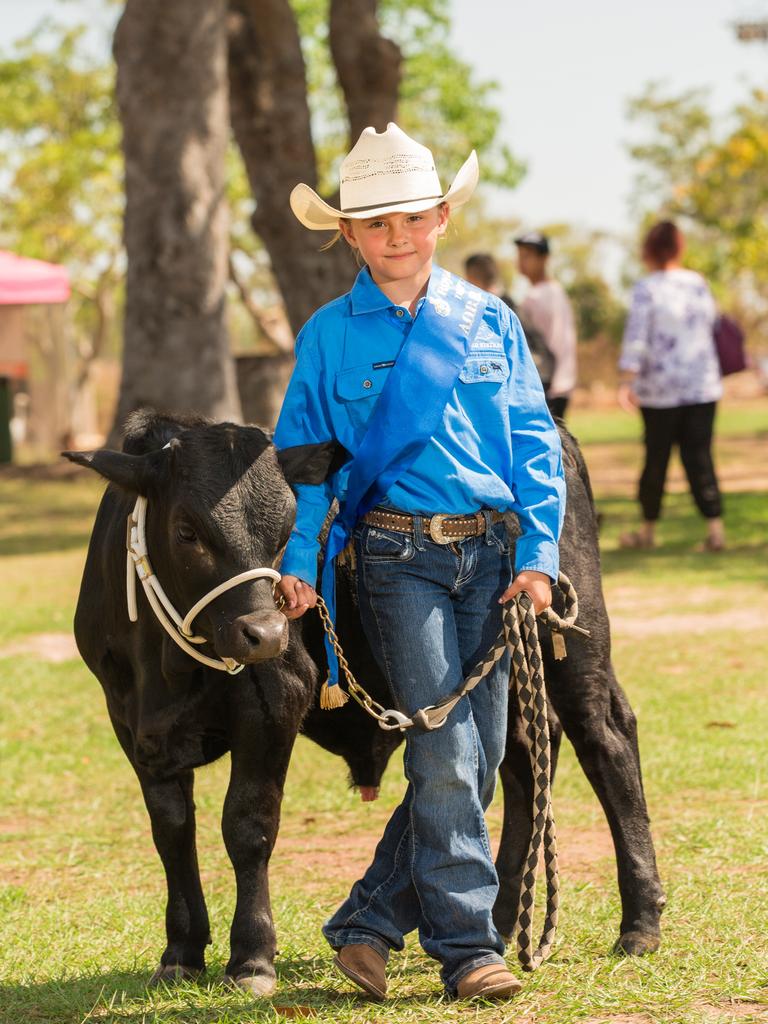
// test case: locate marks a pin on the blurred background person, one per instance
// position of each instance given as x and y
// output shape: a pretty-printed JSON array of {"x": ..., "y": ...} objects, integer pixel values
[
  {"x": 547, "y": 307},
  {"x": 670, "y": 372},
  {"x": 481, "y": 270}
]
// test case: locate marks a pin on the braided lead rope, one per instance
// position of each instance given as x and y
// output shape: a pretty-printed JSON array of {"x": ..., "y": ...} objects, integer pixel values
[
  {"x": 523, "y": 638},
  {"x": 433, "y": 716}
]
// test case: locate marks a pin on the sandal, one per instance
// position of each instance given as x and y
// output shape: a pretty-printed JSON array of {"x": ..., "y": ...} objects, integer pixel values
[{"x": 634, "y": 540}]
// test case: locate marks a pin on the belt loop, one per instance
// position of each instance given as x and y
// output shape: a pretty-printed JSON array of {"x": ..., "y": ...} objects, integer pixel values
[
  {"x": 486, "y": 513},
  {"x": 418, "y": 532}
]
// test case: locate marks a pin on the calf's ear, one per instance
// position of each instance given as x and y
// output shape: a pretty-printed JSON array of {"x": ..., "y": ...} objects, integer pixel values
[{"x": 134, "y": 473}]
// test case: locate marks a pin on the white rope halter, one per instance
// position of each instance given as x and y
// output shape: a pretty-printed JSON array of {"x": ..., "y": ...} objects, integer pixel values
[{"x": 178, "y": 629}]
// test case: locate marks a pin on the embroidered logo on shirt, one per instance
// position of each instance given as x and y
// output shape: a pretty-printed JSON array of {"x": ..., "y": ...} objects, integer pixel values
[
  {"x": 383, "y": 366},
  {"x": 487, "y": 340},
  {"x": 442, "y": 308}
]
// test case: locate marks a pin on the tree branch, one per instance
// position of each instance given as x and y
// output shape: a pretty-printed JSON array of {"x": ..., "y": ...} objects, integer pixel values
[{"x": 257, "y": 315}]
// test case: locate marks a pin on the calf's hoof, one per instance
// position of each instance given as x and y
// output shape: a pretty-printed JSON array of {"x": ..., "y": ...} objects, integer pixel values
[
  {"x": 256, "y": 985},
  {"x": 637, "y": 943},
  {"x": 171, "y": 974}
]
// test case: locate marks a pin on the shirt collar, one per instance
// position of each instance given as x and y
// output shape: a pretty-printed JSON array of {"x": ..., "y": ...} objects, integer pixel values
[{"x": 367, "y": 297}]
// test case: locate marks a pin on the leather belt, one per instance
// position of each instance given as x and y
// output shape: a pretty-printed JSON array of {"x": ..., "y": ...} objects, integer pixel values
[{"x": 441, "y": 528}]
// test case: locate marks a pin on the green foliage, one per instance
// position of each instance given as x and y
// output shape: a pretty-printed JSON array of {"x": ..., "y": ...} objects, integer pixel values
[
  {"x": 712, "y": 175},
  {"x": 679, "y": 129},
  {"x": 461, "y": 114},
  {"x": 473, "y": 229},
  {"x": 597, "y": 310},
  {"x": 60, "y": 165},
  {"x": 576, "y": 262},
  {"x": 61, "y": 171}
]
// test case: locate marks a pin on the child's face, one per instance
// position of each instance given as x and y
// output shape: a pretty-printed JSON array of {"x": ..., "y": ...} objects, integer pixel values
[{"x": 396, "y": 246}]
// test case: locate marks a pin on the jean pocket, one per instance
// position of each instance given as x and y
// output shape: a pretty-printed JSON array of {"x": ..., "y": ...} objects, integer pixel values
[{"x": 386, "y": 545}]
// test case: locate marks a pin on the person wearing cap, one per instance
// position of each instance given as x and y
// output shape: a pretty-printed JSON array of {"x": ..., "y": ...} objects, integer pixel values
[
  {"x": 548, "y": 308},
  {"x": 415, "y": 403}
]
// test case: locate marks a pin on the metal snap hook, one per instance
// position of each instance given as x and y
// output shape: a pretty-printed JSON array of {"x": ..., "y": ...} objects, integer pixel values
[{"x": 392, "y": 719}]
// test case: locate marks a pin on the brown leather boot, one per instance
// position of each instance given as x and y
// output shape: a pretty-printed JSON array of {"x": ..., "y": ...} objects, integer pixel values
[
  {"x": 493, "y": 981},
  {"x": 363, "y": 965}
]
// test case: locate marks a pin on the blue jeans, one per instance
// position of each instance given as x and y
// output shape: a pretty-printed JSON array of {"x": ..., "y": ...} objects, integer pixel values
[{"x": 430, "y": 613}]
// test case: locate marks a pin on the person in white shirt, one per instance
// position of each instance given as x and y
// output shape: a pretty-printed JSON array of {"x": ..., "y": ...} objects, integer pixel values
[{"x": 547, "y": 307}]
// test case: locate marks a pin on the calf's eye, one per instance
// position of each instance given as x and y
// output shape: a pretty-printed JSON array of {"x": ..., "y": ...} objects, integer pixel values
[{"x": 185, "y": 534}]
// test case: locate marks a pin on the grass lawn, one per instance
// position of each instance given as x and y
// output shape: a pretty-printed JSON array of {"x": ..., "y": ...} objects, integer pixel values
[{"x": 82, "y": 891}]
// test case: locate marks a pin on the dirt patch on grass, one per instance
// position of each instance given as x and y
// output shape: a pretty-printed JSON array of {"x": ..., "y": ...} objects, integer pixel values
[
  {"x": 318, "y": 856},
  {"x": 54, "y": 648},
  {"x": 580, "y": 850},
  {"x": 16, "y": 824},
  {"x": 745, "y": 1011},
  {"x": 621, "y": 1018},
  {"x": 746, "y": 621},
  {"x": 635, "y": 612},
  {"x": 343, "y": 852}
]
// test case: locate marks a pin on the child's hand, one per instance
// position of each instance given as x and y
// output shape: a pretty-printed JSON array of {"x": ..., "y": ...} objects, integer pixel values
[
  {"x": 536, "y": 584},
  {"x": 298, "y": 596}
]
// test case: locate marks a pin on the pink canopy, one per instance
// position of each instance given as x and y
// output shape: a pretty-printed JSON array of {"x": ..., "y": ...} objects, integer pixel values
[{"x": 25, "y": 282}]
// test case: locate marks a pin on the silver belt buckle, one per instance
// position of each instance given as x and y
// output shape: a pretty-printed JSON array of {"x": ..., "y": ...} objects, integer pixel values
[{"x": 436, "y": 529}]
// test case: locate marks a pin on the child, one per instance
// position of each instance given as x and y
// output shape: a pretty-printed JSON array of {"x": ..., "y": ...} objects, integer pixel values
[{"x": 415, "y": 402}]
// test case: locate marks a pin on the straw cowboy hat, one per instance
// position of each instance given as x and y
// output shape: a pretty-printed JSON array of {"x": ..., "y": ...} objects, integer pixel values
[{"x": 386, "y": 172}]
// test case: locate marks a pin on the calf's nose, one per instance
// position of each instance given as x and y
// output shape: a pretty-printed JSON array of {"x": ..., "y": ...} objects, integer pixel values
[{"x": 262, "y": 635}]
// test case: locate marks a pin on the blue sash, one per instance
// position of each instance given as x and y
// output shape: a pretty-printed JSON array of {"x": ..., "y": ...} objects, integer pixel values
[{"x": 407, "y": 413}]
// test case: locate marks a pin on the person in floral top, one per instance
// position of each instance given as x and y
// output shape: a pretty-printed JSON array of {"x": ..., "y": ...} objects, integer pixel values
[{"x": 670, "y": 372}]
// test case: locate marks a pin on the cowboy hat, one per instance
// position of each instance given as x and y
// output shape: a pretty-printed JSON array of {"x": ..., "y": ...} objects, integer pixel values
[{"x": 385, "y": 172}]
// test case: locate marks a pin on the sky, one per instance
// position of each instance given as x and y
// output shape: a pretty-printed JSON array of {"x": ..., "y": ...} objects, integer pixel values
[{"x": 565, "y": 71}]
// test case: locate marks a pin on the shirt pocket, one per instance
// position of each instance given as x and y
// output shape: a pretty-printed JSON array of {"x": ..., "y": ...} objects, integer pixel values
[
  {"x": 485, "y": 369},
  {"x": 363, "y": 381}
]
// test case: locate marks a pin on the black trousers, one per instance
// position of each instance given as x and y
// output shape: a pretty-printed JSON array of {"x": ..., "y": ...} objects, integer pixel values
[{"x": 690, "y": 427}]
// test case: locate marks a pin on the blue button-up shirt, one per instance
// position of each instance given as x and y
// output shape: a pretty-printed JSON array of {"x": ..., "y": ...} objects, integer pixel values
[{"x": 496, "y": 447}]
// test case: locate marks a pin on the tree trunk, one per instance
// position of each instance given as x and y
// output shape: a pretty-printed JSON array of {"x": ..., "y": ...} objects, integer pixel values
[
  {"x": 367, "y": 65},
  {"x": 262, "y": 381},
  {"x": 271, "y": 122},
  {"x": 172, "y": 95}
]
